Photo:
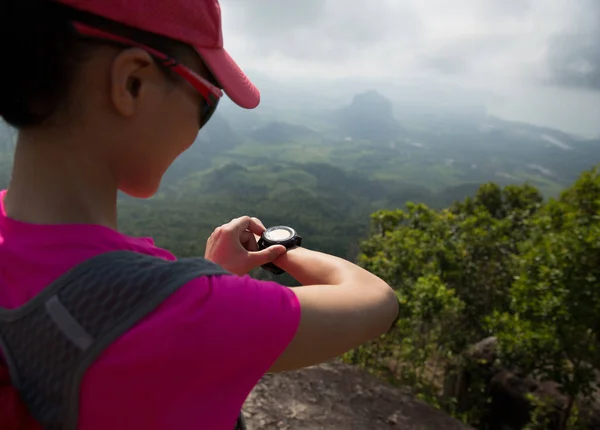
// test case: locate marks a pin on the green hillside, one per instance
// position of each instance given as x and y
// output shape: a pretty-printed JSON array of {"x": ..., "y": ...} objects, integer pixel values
[
  {"x": 324, "y": 170},
  {"x": 500, "y": 268},
  {"x": 309, "y": 170}
]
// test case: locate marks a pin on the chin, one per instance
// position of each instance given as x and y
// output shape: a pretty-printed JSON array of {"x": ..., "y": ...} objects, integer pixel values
[
  {"x": 140, "y": 191},
  {"x": 140, "y": 195}
]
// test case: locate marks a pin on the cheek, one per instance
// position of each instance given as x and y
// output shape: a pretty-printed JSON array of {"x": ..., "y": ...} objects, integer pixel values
[
  {"x": 181, "y": 116},
  {"x": 153, "y": 146},
  {"x": 173, "y": 129}
]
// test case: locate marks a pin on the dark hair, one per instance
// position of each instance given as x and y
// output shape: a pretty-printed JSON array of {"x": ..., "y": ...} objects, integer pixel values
[{"x": 42, "y": 52}]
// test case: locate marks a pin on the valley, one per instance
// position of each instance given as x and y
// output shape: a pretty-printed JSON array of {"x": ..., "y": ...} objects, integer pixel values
[{"x": 325, "y": 170}]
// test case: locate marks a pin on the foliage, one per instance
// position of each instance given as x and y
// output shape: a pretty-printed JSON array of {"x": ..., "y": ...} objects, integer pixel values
[
  {"x": 468, "y": 247},
  {"x": 502, "y": 263},
  {"x": 552, "y": 329}
]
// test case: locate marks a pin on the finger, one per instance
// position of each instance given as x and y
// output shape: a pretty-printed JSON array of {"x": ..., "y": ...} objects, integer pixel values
[
  {"x": 236, "y": 225},
  {"x": 256, "y": 226},
  {"x": 248, "y": 241},
  {"x": 259, "y": 222},
  {"x": 266, "y": 255},
  {"x": 246, "y": 223}
]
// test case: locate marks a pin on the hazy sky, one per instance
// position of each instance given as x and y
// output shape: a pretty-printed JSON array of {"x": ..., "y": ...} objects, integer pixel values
[{"x": 541, "y": 57}]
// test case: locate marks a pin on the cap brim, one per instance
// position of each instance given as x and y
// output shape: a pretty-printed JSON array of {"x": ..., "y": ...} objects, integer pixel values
[{"x": 232, "y": 79}]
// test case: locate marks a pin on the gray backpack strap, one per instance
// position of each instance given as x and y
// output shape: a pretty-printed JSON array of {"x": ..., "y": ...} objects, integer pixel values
[{"x": 50, "y": 342}]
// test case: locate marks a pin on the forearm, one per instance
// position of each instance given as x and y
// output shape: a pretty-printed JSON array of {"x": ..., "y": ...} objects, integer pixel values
[
  {"x": 316, "y": 268},
  {"x": 342, "y": 306}
]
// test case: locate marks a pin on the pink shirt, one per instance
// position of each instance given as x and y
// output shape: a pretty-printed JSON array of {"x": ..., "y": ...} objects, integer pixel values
[{"x": 188, "y": 365}]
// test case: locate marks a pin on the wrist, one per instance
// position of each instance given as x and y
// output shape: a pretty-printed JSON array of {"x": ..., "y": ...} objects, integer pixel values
[{"x": 291, "y": 257}]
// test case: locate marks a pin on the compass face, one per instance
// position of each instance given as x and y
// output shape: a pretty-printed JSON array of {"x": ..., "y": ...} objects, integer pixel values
[{"x": 279, "y": 234}]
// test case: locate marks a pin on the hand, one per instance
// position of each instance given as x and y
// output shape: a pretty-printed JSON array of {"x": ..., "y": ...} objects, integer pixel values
[{"x": 233, "y": 246}]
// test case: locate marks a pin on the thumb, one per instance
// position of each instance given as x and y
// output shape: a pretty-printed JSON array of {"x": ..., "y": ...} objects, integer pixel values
[{"x": 267, "y": 255}]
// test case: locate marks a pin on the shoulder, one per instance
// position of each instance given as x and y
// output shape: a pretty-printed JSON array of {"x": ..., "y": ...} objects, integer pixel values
[
  {"x": 227, "y": 311},
  {"x": 204, "y": 348},
  {"x": 231, "y": 294},
  {"x": 204, "y": 295},
  {"x": 204, "y": 302}
]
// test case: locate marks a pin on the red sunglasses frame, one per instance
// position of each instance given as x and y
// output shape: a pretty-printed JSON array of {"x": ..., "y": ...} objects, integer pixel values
[{"x": 211, "y": 93}]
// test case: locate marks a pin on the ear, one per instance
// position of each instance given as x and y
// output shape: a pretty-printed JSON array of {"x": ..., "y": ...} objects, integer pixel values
[{"x": 131, "y": 72}]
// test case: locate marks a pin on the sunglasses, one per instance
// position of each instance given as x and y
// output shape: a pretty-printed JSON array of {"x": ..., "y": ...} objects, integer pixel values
[{"x": 209, "y": 92}]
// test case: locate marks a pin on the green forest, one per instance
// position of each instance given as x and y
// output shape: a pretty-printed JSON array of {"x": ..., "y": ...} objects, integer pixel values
[{"x": 503, "y": 266}]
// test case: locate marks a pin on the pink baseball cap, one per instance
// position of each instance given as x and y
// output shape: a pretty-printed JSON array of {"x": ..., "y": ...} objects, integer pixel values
[{"x": 195, "y": 22}]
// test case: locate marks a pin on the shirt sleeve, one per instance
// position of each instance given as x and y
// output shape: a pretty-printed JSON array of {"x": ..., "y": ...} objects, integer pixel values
[
  {"x": 247, "y": 322},
  {"x": 236, "y": 328},
  {"x": 193, "y": 362}
]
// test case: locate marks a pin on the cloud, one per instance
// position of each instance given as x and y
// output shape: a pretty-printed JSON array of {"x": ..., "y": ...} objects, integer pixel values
[
  {"x": 324, "y": 31},
  {"x": 473, "y": 39},
  {"x": 573, "y": 58},
  {"x": 468, "y": 55},
  {"x": 547, "y": 49},
  {"x": 264, "y": 19},
  {"x": 509, "y": 8},
  {"x": 445, "y": 63}
]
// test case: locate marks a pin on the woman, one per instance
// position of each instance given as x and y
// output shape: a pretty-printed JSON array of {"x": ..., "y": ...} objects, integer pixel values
[{"x": 106, "y": 94}]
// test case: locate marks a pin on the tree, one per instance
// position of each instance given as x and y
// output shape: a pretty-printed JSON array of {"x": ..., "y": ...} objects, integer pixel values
[
  {"x": 503, "y": 264},
  {"x": 552, "y": 329}
]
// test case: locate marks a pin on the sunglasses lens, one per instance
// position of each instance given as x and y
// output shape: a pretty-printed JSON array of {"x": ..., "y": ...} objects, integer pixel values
[{"x": 207, "y": 111}]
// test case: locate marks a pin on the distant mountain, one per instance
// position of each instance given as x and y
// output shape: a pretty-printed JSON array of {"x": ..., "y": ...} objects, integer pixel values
[
  {"x": 369, "y": 116},
  {"x": 411, "y": 154},
  {"x": 325, "y": 170},
  {"x": 280, "y": 132}
]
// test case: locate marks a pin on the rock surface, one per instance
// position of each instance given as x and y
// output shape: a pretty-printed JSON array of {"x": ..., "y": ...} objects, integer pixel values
[{"x": 338, "y": 396}]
